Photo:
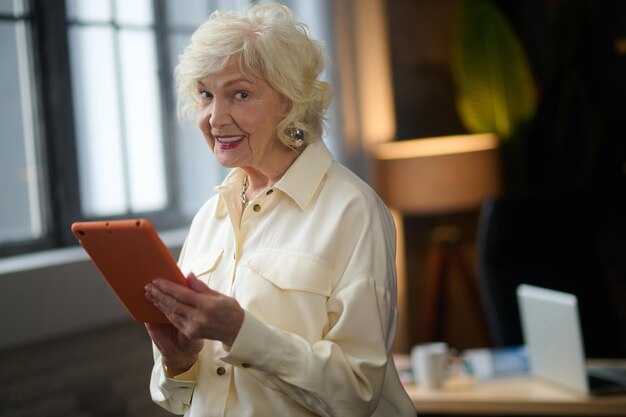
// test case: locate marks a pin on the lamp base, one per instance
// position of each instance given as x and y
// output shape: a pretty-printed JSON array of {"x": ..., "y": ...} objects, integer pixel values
[{"x": 445, "y": 254}]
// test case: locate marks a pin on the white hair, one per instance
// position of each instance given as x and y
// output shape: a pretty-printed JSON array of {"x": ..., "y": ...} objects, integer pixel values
[{"x": 269, "y": 45}]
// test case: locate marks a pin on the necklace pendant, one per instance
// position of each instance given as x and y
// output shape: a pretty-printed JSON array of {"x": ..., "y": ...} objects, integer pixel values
[{"x": 244, "y": 199}]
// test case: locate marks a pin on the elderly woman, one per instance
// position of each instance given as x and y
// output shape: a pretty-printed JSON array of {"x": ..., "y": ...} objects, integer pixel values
[{"x": 290, "y": 308}]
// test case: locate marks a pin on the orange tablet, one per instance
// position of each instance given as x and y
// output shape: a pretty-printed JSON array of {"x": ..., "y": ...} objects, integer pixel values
[{"x": 129, "y": 254}]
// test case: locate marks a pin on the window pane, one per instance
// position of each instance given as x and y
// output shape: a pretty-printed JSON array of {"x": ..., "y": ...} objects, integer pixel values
[
  {"x": 190, "y": 13},
  {"x": 13, "y": 7},
  {"x": 134, "y": 12},
  {"x": 89, "y": 10},
  {"x": 232, "y": 4},
  {"x": 142, "y": 111},
  {"x": 6, "y": 6},
  {"x": 20, "y": 211},
  {"x": 98, "y": 127}
]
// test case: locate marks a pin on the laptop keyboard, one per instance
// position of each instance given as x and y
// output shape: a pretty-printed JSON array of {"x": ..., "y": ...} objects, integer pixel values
[{"x": 606, "y": 377}]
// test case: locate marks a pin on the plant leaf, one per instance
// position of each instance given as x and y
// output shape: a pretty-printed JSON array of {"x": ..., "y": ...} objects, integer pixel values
[{"x": 495, "y": 89}]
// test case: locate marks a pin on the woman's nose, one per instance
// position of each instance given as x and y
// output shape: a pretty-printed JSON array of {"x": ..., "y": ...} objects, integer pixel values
[{"x": 219, "y": 113}]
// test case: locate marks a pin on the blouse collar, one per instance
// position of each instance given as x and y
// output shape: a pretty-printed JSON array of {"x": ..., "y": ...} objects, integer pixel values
[{"x": 301, "y": 181}]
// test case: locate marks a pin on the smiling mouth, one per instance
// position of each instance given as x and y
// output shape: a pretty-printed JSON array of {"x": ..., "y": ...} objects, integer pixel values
[
  {"x": 227, "y": 143},
  {"x": 228, "y": 139}
]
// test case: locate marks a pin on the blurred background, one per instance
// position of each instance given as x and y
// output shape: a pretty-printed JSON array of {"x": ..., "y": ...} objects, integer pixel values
[{"x": 493, "y": 129}]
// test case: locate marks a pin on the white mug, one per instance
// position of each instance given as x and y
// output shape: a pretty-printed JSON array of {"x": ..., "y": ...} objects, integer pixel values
[{"x": 428, "y": 362}]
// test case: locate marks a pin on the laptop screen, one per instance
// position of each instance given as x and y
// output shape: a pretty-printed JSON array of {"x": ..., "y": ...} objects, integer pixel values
[{"x": 553, "y": 337}]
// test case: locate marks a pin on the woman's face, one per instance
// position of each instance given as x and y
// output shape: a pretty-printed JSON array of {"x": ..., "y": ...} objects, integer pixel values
[{"x": 238, "y": 114}]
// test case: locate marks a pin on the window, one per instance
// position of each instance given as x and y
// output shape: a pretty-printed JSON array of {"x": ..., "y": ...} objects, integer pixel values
[
  {"x": 88, "y": 115},
  {"x": 21, "y": 211},
  {"x": 117, "y": 107}
]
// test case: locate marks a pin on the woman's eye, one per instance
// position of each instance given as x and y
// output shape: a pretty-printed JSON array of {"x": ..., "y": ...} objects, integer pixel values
[
  {"x": 205, "y": 95},
  {"x": 240, "y": 95}
]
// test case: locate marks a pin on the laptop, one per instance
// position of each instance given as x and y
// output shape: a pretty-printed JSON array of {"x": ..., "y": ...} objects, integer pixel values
[{"x": 553, "y": 336}]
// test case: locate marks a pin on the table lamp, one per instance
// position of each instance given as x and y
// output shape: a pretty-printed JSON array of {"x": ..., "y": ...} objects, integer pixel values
[{"x": 435, "y": 177}]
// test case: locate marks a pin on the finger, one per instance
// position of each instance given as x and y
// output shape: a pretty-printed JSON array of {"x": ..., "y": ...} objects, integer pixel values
[
  {"x": 173, "y": 308},
  {"x": 199, "y": 286},
  {"x": 182, "y": 316},
  {"x": 175, "y": 315},
  {"x": 168, "y": 286},
  {"x": 179, "y": 292},
  {"x": 196, "y": 285}
]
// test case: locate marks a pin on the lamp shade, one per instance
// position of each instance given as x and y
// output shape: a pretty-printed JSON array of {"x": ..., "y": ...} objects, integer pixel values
[{"x": 437, "y": 175}]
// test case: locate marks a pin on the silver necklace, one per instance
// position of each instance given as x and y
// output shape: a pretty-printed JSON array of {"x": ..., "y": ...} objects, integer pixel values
[{"x": 244, "y": 199}]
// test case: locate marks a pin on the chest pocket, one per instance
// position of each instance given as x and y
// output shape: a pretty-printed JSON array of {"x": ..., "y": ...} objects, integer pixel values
[
  {"x": 288, "y": 290},
  {"x": 202, "y": 265},
  {"x": 292, "y": 270}
]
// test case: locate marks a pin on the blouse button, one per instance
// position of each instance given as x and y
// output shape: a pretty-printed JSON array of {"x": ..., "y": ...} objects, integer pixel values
[
  {"x": 256, "y": 207},
  {"x": 221, "y": 370},
  {"x": 269, "y": 192}
]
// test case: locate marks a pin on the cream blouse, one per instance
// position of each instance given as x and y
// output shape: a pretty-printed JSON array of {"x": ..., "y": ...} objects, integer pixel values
[{"x": 312, "y": 262}]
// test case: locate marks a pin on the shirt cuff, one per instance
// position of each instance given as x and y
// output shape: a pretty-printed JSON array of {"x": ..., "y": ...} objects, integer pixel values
[
  {"x": 250, "y": 349},
  {"x": 180, "y": 387}
]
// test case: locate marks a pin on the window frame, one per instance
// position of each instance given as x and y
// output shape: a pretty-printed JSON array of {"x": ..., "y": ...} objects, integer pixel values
[
  {"x": 47, "y": 240},
  {"x": 56, "y": 135}
]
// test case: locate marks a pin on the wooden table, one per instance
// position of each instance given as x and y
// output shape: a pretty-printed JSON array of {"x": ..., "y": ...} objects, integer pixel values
[{"x": 463, "y": 395}]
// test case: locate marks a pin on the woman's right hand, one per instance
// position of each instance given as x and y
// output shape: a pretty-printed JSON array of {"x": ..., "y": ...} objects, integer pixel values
[{"x": 178, "y": 352}]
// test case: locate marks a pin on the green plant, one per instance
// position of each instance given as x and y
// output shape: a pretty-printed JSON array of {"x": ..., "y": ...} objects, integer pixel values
[{"x": 494, "y": 85}]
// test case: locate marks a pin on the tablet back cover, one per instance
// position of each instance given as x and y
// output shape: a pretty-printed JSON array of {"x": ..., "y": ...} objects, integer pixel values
[{"x": 129, "y": 254}]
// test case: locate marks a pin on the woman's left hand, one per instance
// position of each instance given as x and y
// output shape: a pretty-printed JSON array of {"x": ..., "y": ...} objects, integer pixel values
[{"x": 197, "y": 311}]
